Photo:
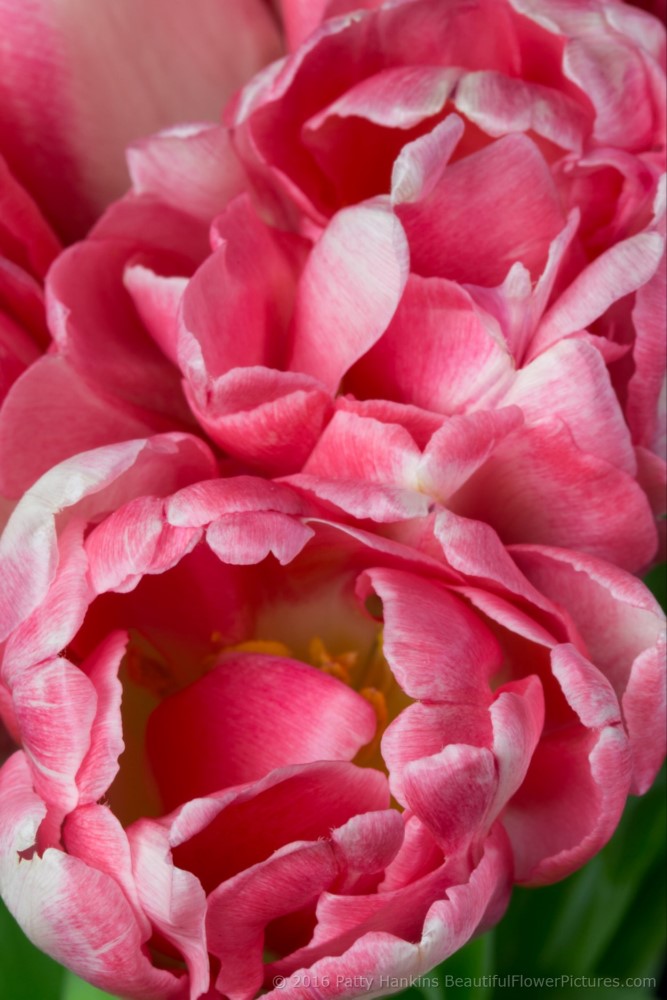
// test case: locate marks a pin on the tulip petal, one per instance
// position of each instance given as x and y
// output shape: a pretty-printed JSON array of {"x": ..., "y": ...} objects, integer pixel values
[
  {"x": 437, "y": 647},
  {"x": 470, "y": 230},
  {"x": 76, "y": 87},
  {"x": 56, "y": 900},
  {"x": 193, "y": 753},
  {"x": 623, "y": 628},
  {"x": 349, "y": 291}
]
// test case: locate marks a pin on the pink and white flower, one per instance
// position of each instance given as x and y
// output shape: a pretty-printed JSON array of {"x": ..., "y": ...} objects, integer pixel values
[
  {"x": 405, "y": 228},
  {"x": 261, "y": 737}
]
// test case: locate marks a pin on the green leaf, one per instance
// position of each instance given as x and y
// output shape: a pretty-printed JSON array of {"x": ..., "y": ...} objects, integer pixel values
[
  {"x": 76, "y": 989},
  {"x": 656, "y": 581},
  {"x": 25, "y": 973}
]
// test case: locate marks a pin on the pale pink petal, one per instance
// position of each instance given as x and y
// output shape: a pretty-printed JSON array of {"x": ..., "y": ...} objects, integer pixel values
[
  {"x": 578, "y": 781},
  {"x": 56, "y": 900},
  {"x": 77, "y": 86},
  {"x": 420, "y": 163},
  {"x": 501, "y": 104},
  {"x": 436, "y": 646},
  {"x": 132, "y": 541},
  {"x": 240, "y": 909},
  {"x": 451, "y": 792},
  {"x": 473, "y": 549},
  {"x": 570, "y": 381},
  {"x": 204, "y": 502},
  {"x": 461, "y": 446},
  {"x": 94, "y": 835},
  {"x": 238, "y": 304},
  {"x": 247, "y": 538},
  {"x": 649, "y": 352},
  {"x": 652, "y": 477},
  {"x": 422, "y": 730},
  {"x": 290, "y": 879},
  {"x": 86, "y": 485},
  {"x": 517, "y": 717},
  {"x": 55, "y": 705},
  {"x": 623, "y": 628},
  {"x": 361, "y": 499},
  {"x": 172, "y": 899},
  {"x": 450, "y": 922},
  {"x": 517, "y": 304},
  {"x": 300, "y": 18},
  {"x": 623, "y": 96},
  {"x": 157, "y": 299},
  {"x": 359, "y": 448},
  {"x": 399, "y": 97},
  {"x": 47, "y": 631},
  {"x": 100, "y": 765},
  {"x": 269, "y": 419},
  {"x": 252, "y": 821},
  {"x": 349, "y": 291},
  {"x": 192, "y": 167},
  {"x": 417, "y": 856},
  {"x": 622, "y": 269}
]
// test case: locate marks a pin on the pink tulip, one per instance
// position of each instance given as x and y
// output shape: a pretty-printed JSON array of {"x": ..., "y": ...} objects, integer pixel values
[
  {"x": 462, "y": 252},
  {"x": 290, "y": 745},
  {"x": 77, "y": 83}
]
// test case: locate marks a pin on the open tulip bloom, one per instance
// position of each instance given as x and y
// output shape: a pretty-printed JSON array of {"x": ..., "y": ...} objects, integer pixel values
[{"x": 330, "y": 458}]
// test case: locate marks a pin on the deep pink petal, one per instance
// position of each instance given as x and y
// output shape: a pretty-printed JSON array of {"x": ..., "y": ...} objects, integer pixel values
[
  {"x": 276, "y": 712},
  {"x": 538, "y": 486},
  {"x": 269, "y": 419},
  {"x": 51, "y": 413},
  {"x": 471, "y": 230},
  {"x": 85, "y": 291},
  {"x": 437, "y": 352},
  {"x": 26, "y": 239}
]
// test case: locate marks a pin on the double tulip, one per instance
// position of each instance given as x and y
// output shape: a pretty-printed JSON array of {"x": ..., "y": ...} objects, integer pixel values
[{"x": 327, "y": 458}]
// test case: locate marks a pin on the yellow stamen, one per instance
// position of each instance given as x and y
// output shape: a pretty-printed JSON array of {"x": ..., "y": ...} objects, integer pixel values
[
  {"x": 379, "y": 704},
  {"x": 267, "y": 647}
]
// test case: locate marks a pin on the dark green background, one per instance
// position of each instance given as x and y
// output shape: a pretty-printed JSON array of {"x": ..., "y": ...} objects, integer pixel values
[{"x": 607, "y": 920}]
